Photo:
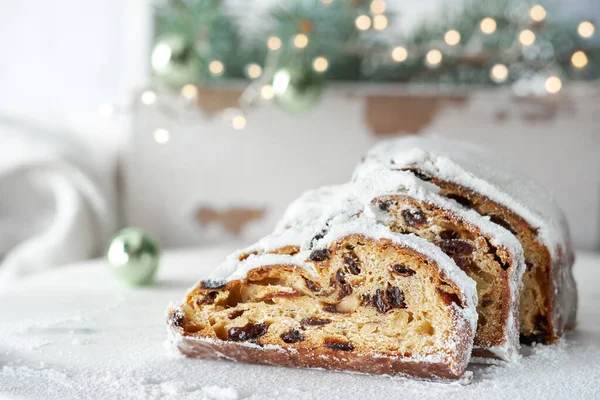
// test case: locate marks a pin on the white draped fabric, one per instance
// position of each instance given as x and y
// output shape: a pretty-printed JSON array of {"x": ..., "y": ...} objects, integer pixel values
[{"x": 56, "y": 206}]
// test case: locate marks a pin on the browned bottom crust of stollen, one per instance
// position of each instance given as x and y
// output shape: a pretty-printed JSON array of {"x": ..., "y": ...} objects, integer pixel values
[
  {"x": 484, "y": 354},
  {"x": 311, "y": 358}
]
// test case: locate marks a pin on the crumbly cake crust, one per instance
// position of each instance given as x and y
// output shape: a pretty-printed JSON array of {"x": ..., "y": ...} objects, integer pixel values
[
  {"x": 321, "y": 358},
  {"x": 506, "y": 195},
  {"x": 440, "y": 352}
]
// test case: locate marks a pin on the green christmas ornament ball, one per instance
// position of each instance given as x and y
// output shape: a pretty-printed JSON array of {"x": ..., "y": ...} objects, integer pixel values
[
  {"x": 297, "y": 90},
  {"x": 175, "y": 62},
  {"x": 133, "y": 256}
]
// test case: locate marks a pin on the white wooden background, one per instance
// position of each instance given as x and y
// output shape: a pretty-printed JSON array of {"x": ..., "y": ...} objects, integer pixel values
[{"x": 206, "y": 163}]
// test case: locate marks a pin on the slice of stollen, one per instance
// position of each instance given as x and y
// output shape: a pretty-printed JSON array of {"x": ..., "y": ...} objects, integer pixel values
[
  {"x": 508, "y": 197},
  {"x": 362, "y": 299}
]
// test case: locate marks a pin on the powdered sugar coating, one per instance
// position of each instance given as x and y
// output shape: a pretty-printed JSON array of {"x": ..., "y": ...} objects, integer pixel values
[
  {"x": 470, "y": 166},
  {"x": 318, "y": 205},
  {"x": 376, "y": 180},
  {"x": 233, "y": 269},
  {"x": 317, "y": 209}
]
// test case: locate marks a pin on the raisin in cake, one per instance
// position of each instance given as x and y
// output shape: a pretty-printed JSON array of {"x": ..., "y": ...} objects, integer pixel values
[
  {"x": 488, "y": 253},
  {"x": 363, "y": 299},
  {"x": 507, "y": 197}
]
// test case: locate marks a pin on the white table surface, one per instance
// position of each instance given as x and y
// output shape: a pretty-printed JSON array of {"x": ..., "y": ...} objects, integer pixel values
[{"x": 77, "y": 333}]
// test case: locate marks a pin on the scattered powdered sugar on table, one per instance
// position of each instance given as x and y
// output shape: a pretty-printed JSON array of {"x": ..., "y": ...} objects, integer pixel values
[
  {"x": 71, "y": 345},
  {"x": 219, "y": 393},
  {"x": 562, "y": 371}
]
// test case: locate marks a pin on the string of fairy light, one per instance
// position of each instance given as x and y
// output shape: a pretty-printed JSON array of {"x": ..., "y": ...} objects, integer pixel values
[
  {"x": 265, "y": 86},
  {"x": 499, "y": 72}
]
